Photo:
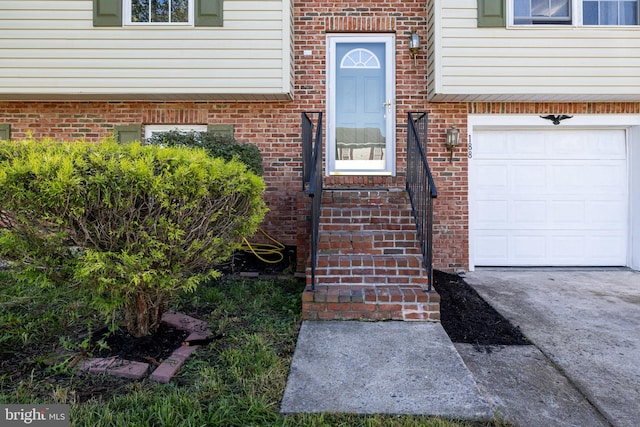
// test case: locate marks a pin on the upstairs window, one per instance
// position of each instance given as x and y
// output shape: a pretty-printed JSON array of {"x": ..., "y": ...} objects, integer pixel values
[
  {"x": 541, "y": 12},
  {"x": 569, "y": 12},
  {"x": 610, "y": 12},
  {"x": 166, "y": 12},
  {"x": 198, "y": 13}
]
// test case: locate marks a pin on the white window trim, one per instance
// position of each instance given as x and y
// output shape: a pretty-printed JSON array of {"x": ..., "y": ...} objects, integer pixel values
[
  {"x": 575, "y": 8},
  {"x": 149, "y": 130},
  {"x": 126, "y": 13}
]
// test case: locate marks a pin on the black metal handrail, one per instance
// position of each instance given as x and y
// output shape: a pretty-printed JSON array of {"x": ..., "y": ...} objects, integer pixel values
[
  {"x": 312, "y": 177},
  {"x": 421, "y": 187}
]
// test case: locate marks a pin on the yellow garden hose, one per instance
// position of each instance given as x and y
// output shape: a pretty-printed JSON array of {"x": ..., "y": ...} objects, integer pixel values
[{"x": 260, "y": 250}]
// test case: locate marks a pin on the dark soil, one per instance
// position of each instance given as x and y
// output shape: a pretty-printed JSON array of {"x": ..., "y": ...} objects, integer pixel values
[
  {"x": 247, "y": 262},
  {"x": 150, "y": 349},
  {"x": 468, "y": 318}
]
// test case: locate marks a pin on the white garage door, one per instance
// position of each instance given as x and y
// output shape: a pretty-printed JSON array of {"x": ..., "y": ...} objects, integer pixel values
[{"x": 549, "y": 198}]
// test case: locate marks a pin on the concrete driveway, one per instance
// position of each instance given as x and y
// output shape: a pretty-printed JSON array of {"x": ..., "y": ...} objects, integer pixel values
[{"x": 586, "y": 321}]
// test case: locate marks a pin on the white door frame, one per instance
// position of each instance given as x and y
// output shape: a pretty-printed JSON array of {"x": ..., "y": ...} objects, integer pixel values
[
  {"x": 390, "y": 84},
  {"x": 628, "y": 122}
]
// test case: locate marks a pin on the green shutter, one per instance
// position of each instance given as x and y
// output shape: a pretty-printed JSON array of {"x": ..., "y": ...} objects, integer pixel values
[
  {"x": 5, "y": 132},
  {"x": 107, "y": 13},
  {"x": 221, "y": 130},
  {"x": 492, "y": 13},
  {"x": 128, "y": 133},
  {"x": 208, "y": 13}
]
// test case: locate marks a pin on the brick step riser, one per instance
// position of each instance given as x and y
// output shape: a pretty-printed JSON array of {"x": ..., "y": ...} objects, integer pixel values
[
  {"x": 365, "y": 229},
  {"x": 387, "y": 220},
  {"x": 394, "y": 251},
  {"x": 372, "y": 198},
  {"x": 363, "y": 260},
  {"x": 352, "y": 302},
  {"x": 380, "y": 243},
  {"x": 347, "y": 249},
  {"x": 366, "y": 205},
  {"x": 381, "y": 271},
  {"x": 372, "y": 281}
]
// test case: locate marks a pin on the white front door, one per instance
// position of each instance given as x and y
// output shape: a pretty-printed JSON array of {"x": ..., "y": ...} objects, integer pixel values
[
  {"x": 361, "y": 104},
  {"x": 549, "y": 197}
]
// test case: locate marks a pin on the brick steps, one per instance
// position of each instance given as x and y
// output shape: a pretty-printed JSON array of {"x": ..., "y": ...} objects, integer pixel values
[
  {"x": 374, "y": 243},
  {"x": 369, "y": 264},
  {"x": 358, "y": 302},
  {"x": 366, "y": 269}
]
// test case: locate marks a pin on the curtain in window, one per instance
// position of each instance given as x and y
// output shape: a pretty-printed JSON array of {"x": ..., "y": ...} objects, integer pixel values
[{"x": 610, "y": 12}]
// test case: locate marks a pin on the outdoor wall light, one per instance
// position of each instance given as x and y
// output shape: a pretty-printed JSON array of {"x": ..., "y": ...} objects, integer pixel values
[
  {"x": 453, "y": 140},
  {"x": 414, "y": 45}
]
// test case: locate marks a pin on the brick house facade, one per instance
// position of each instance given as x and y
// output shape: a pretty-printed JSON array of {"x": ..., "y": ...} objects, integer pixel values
[{"x": 274, "y": 126}]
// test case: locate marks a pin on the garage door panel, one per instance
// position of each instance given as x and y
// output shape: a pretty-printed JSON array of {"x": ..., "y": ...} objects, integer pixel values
[
  {"x": 528, "y": 247},
  {"x": 491, "y": 247},
  {"x": 529, "y": 213},
  {"x": 494, "y": 146},
  {"x": 492, "y": 177},
  {"x": 606, "y": 248},
  {"x": 531, "y": 176},
  {"x": 494, "y": 212},
  {"x": 608, "y": 176},
  {"x": 556, "y": 197},
  {"x": 607, "y": 214},
  {"x": 568, "y": 249},
  {"x": 565, "y": 213},
  {"x": 522, "y": 145},
  {"x": 569, "y": 178}
]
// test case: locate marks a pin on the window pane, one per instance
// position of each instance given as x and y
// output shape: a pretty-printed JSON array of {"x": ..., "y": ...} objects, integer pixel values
[
  {"x": 139, "y": 11},
  {"x": 522, "y": 8},
  {"x": 608, "y": 13},
  {"x": 590, "y": 13},
  {"x": 629, "y": 13},
  {"x": 159, "y": 10},
  {"x": 180, "y": 11},
  {"x": 559, "y": 8},
  {"x": 542, "y": 11},
  {"x": 539, "y": 7}
]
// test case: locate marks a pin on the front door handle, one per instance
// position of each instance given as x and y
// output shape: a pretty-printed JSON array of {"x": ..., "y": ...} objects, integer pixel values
[{"x": 388, "y": 104}]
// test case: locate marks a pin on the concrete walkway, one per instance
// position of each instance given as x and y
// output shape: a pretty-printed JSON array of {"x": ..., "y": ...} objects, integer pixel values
[
  {"x": 586, "y": 322},
  {"x": 380, "y": 368},
  {"x": 582, "y": 370}
]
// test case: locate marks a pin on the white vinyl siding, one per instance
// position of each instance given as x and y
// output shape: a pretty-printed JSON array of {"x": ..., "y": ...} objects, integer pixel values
[
  {"x": 50, "y": 50},
  {"x": 545, "y": 63}
]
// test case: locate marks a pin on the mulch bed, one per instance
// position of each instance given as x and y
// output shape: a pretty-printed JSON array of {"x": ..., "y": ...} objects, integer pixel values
[
  {"x": 468, "y": 318},
  {"x": 149, "y": 349}
]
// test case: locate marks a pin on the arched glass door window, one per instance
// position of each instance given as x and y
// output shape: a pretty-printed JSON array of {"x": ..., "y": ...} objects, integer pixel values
[{"x": 360, "y": 58}]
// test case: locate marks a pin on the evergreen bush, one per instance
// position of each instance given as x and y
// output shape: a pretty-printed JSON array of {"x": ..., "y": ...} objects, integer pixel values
[
  {"x": 216, "y": 145},
  {"x": 136, "y": 223}
]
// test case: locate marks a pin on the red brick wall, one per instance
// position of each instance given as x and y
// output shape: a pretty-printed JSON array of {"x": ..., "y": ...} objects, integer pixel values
[
  {"x": 273, "y": 127},
  {"x": 451, "y": 228}
]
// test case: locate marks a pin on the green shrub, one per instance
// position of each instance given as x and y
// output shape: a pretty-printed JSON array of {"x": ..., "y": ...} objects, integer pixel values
[
  {"x": 136, "y": 223},
  {"x": 215, "y": 144}
]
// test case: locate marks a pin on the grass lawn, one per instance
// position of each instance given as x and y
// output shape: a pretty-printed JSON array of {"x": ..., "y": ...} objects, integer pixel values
[{"x": 235, "y": 381}]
